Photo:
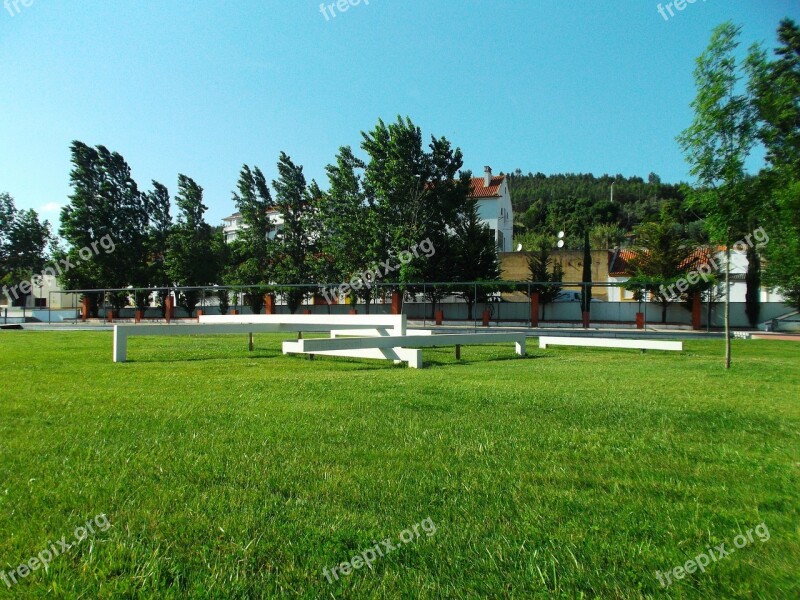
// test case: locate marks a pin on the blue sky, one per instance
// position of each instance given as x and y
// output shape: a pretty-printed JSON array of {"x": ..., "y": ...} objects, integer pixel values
[{"x": 202, "y": 87}]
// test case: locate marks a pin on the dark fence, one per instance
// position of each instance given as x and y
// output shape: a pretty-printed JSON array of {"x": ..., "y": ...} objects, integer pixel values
[{"x": 477, "y": 303}]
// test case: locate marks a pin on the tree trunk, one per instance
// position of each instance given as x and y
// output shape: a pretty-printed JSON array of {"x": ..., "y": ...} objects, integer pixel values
[
  {"x": 664, "y": 313},
  {"x": 728, "y": 300}
]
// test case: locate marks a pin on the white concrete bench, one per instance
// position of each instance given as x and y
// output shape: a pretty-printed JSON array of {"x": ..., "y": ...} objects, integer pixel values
[
  {"x": 231, "y": 324},
  {"x": 398, "y": 348},
  {"x": 596, "y": 342}
]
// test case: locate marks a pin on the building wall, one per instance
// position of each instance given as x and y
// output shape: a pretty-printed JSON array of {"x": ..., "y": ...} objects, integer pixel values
[
  {"x": 514, "y": 267},
  {"x": 498, "y": 214}
]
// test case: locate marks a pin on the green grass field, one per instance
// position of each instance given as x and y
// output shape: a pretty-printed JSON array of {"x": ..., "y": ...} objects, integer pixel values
[{"x": 229, "y": 474}]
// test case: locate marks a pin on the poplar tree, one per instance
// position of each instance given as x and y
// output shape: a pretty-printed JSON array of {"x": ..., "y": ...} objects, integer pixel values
[{"x": 716, "y": 145}]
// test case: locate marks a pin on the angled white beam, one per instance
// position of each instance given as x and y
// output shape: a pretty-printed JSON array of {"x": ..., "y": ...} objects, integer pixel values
[
  {"x": 411, "y": 356},
  {"x": 383, "y": 332},
  {"x": 447, "y": 339}
]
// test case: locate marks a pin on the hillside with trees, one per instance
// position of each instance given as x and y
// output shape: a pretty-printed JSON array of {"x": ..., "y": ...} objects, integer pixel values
[{"x": 546, "y": 204}]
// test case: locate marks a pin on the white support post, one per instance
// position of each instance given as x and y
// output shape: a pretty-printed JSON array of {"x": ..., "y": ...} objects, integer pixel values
[{"x": 120, "y": 344}]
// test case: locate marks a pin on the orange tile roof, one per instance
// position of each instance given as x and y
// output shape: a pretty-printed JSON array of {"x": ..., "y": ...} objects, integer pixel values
[
  {"x": 479, "y": 190},
  {"x": 620, "y": 262}
]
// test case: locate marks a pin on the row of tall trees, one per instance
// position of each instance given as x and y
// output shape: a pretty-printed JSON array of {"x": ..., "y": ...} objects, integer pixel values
[
  {"x": 375, "y": 208},
  {"x": 150, "y": 250}
]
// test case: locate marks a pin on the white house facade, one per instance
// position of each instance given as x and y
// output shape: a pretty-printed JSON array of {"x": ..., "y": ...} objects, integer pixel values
[
  {"x": 231, "y": 225},
  {"x": 494, "y": 207}
]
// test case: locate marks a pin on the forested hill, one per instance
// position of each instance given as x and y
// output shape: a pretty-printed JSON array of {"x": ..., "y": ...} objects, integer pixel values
[{"x": 566, "y": 201}]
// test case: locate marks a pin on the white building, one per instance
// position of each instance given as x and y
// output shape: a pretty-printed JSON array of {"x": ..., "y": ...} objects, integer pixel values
[
  {"x": 231, "y": 225},
  {"x": 494, "y": 207}
]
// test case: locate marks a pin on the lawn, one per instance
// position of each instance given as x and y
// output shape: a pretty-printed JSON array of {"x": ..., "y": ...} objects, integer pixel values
[{"x": 207, "y": 471}]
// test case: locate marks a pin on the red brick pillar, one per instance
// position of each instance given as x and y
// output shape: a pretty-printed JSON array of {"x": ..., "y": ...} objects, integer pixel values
[
  {"x": 233, "y": 311},
  {"x": 306, "y": 311},
  {"x": 169, "y": 308},
  {"x": 139, "y": 315},
  {"x": 110, "y": 315},
  {"x": 269, "y": 304},
  {"x": 397, "y": 302},
  {"x": 696, "y": 312},
  {"x": 353, "y": 311},
  {"x": 485, "y": 318},
  {"x": 586, "y": 318},
  {"x": 439, "y": 316},
  {"x": 85, "y": 308},
  {"x": 535, "y": 309},
  {"x": 639, "y": 320},
  {"x": 199, "y": 314}
]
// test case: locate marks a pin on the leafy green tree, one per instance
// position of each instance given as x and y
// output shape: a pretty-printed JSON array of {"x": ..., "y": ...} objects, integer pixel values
[
  {"x": 23, "y": 250},
  {"x": 351, "y": 239},
  {"x": 546, "y": 274},
  {"x": 717, "y": 144},
  {"x": 158, "y": 207},
  {"x": 8, "y": 212},
  {"x": 661, "y": 257},
  {"x": 775, "y": 86},
  {"x": 416, "y": 193},
  {"x": 474, "y": 256},
  {"x": 783, "y": 258},
  {"x": 252, "y": 251},
  {"x": 192, "y": 246},
  {"x": 105, "y": 204},
  {"x": 294, "y": 261},
  {"x": 606, "y": 236}
]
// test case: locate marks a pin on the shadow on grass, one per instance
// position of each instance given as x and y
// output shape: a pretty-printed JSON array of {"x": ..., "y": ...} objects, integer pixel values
[
  {"x": 463, "y": 362},
  {"x": 255, "y": 355}
]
